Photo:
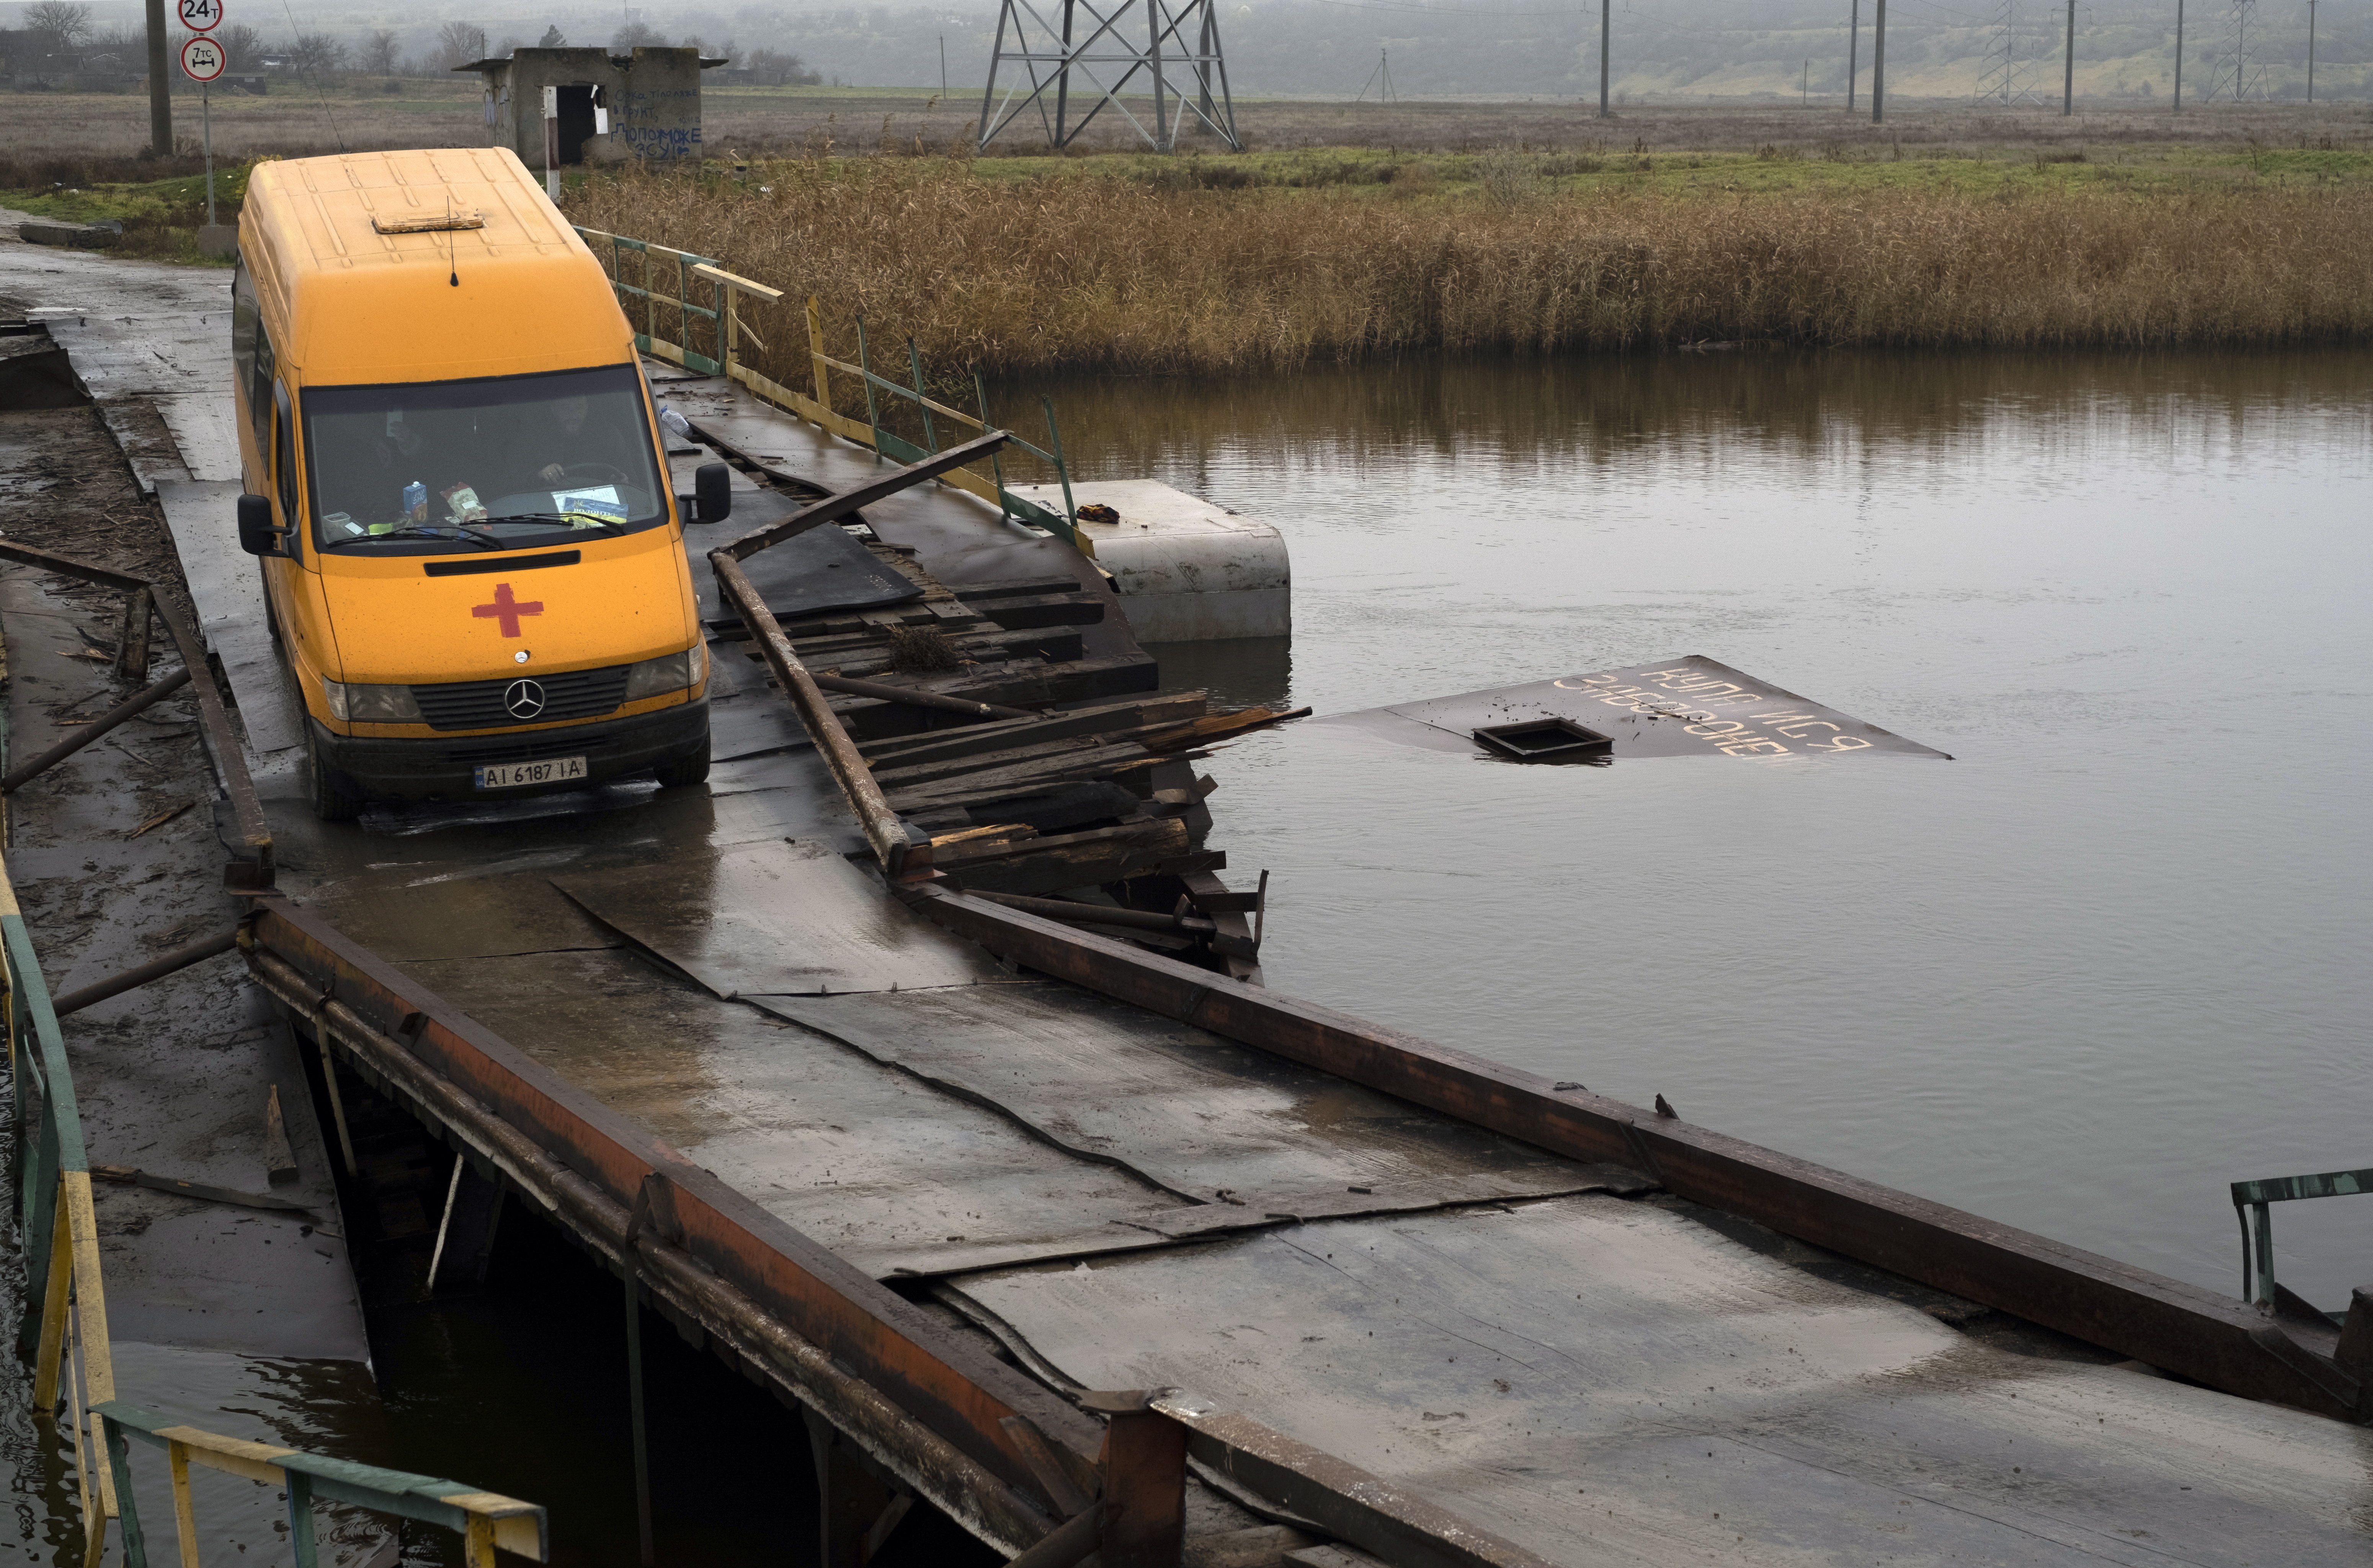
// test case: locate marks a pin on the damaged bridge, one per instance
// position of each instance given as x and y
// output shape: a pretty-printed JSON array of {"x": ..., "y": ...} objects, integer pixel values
[{"x": 921, "y": 1068}]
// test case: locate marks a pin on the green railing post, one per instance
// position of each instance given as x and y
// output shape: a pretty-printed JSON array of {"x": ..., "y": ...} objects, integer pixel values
[
  {"x": 865, "y": 368},
  {"x": 1062, "y": 470},
  {"x": 127, "y": 1512},
  {"x": 922, "y": 400},
  {"x": 300, "y": 1520},
  {"x": 995, "y": 461},
  {"x": 2252, "y": 1204}
]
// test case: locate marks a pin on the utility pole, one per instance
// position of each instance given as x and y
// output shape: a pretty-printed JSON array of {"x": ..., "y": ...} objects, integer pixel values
[
  {"x": 2310, "y": 50},
  {"x": 1878, "y": 66},
  {"x": 943, "y": 66},
  {"x": 1854, "y": 45},
  {"x": 2179, "y": 56},
  {"x": 1805, "y": 87},
  {"x": 1606, "y": 25},
  {"x": 2068, "y": 82},
  {"x": 161, "y": 85}
]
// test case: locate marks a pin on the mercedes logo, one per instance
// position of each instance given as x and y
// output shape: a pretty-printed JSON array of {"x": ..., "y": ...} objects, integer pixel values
[{"x": 523, "y": 698}]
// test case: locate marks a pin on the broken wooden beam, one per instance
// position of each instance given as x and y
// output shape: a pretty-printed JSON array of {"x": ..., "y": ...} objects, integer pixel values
[{"x": 901, "y": 750}]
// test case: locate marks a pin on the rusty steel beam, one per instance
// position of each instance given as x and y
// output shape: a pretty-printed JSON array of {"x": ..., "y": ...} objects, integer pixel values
[
  {"x": 1337, "y": 1496},
  {"x": 180, "y": 959},
  {"x": 929, "y": 1404},
  {"x": 140, "y": 702},
  {"x": 881, "y": 691},
  {"x": 1145, "y": 1481},
  {"x": 2148, "y": 1316},
  {"x": 213, "y": 719},
  {"x": 902, "y": 851},
  {"x": 832, "y": 508}
]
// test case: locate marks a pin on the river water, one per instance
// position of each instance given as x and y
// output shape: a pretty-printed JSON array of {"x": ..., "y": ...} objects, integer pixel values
[{"x": 2079, "y": 979}]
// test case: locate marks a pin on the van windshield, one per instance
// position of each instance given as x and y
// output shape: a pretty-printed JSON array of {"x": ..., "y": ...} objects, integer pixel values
[{"x": 437, "y": 467}]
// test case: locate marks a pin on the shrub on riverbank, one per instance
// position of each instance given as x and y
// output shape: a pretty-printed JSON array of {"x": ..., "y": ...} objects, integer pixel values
[{"x": 1089, "y": 272}]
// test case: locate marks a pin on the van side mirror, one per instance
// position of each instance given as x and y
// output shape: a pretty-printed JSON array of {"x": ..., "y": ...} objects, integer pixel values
[
  {"x": 257, "y": 533},
  {"x": 712, "y": 493}
]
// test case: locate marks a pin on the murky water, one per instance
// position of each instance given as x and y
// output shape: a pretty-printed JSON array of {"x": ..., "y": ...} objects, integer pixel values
[{"x": 2079, "y": 979}]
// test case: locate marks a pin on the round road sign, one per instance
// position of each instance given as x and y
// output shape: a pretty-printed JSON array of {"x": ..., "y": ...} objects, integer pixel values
[
  {"x": 203, "y": 60},
  {"x": 201, "y": 16}
]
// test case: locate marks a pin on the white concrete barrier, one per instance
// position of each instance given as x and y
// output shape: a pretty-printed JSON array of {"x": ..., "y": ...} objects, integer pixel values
[{"x": 1188, "y": 570}]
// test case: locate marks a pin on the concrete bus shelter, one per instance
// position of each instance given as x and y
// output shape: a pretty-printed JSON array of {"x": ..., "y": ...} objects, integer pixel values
[{"x": 614, "y": 108}]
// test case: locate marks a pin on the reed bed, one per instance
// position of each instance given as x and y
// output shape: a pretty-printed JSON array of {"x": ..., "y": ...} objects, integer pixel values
[{"x": 1089, "y": 272}]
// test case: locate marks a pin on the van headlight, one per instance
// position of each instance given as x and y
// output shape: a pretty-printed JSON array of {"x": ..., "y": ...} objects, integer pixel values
[
  {"x": 370, "y": 704},
  {"x": 675, "y": 672}
]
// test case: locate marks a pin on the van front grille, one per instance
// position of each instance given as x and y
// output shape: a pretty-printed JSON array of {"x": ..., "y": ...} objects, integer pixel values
[{"x": 481, "y": 704}]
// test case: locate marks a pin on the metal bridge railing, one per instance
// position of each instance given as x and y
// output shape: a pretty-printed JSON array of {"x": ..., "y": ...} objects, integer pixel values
[
  {"x": 65, "y": 1324},
  {"x": 727, "y": 329},
  {"x": 2251, "y": 1206},
  {"x": 485, "y": 1520}
]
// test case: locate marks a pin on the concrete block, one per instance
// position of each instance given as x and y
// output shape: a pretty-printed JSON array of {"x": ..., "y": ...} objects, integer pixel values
[
  {"x": 79, "y": 237},
  {"x": 218, "y": 241},
  {"x": 1186, "y": 571}
]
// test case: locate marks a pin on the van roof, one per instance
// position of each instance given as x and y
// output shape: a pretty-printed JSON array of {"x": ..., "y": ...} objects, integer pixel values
[{"x": 348, "y": 300}]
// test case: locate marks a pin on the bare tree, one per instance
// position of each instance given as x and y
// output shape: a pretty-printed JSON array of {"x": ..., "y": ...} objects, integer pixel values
[
  {"x": 64, "y": 24},
  {"x": 241, "y": 44},
  {"x": 117, "y": 47},
  {"x": 776, "y": 67},
  {"x": 637, "y": 32},
  {"x": 458, "y": 43},
  {"x": 317, "y": 54},
  {"x": 377, "y": 56}
]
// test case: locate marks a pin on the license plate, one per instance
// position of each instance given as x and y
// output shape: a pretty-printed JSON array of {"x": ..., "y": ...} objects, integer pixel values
[{"x": 511, "y": 775}]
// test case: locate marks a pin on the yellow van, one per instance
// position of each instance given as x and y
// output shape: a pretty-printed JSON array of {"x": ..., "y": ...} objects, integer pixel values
[{"x": 473, "y": 554}]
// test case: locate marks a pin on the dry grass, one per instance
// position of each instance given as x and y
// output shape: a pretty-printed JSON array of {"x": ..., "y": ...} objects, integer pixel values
[{"x": 1091, "y": 272}]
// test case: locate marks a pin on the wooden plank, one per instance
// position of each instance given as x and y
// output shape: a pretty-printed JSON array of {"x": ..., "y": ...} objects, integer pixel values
[
  {"x": 903, "y": 750},
  {"x": 897, "y": 849},
  {"x": 1159, "y": 831},
  {"x": 1046, "y": 610},
  {"x": 279, "y": 1158},
  {"x": 1005, "y": 783},
  {"x": 1212, "y": 726},
  {"x": 873, "y": 655},
  {"x": 1078, "y": 860},
  {"x": 1021, "y": 684},
  {"x": 1015, "y": 587},
  {"x": 1050, "y": 754}
]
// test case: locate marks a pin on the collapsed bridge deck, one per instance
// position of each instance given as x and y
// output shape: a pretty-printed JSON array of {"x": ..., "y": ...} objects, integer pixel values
[{"x": 941, "y": 1168}]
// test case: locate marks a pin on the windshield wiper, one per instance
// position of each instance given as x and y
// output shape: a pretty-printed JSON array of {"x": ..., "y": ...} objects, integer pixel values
[
  {"x": 484, "y": 542},
  {"x": 574, "y": 519}
]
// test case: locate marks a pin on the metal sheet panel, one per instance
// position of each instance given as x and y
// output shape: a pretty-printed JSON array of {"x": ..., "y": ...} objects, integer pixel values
[
  {"x": 481, "y": 887},
  {"x": 824, "y": 568},
  {"x": 1604, "y": 1381},
  {"x": 778, "y": 919},
  {"x": 893, "y": 1174},
  {"x": 1691, "y": 706},
  {"x": 1246, "y": 1133}
]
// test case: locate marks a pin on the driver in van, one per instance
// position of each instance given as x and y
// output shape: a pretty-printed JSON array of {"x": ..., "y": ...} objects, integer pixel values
[{"x": 577, "y": 437}]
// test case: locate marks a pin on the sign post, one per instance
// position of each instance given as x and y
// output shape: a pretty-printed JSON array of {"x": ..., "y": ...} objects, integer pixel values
[
  {"x": 204, "y": 59},
  {"x": 552, "y": 142}
]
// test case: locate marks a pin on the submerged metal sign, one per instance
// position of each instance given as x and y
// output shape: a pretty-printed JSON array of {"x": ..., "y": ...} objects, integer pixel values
[{"x": 1691, "y": 706}]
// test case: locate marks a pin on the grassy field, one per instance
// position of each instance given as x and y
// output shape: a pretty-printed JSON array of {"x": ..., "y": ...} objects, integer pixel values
[
  {"x": 1416, "y": 227},
  {"x": 1017, "y": 272}
]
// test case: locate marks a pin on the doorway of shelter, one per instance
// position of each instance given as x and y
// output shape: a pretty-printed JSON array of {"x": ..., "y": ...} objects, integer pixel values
[{"x": 574, "y": 103}]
